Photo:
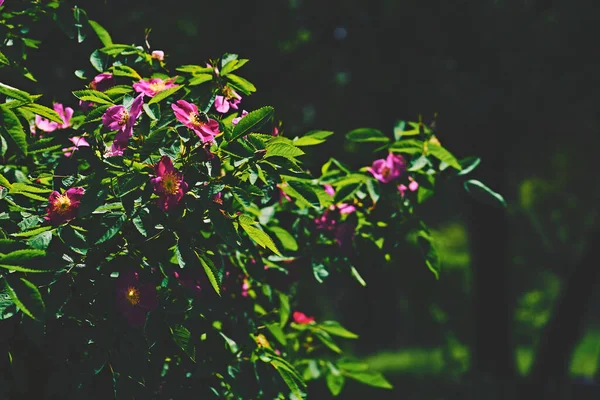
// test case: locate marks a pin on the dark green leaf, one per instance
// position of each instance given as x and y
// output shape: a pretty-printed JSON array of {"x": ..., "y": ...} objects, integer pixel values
[
  {"x": 15, "y": 93},
  {"x": 241, "y": 84},
  {"x": 43, "y": 111},
  {"x": 484, "y": 194},
  {"x": 11, "y": 125},
  {"x": 113, "y": 229},
  {"x": 27, "y": 297},
  {"x": 334, "y": 328},
  {"x": 182, "y": 337},
  {"x": 335, "y": 382},
  {"x": 99, "y": 61},
  {"x": 408, "y": 146},
  {"x": 367, "y": 135},
  {"x": 443, "y": 155},
  {"x": 256, "y": 234},
  {"x": 252, "y": 122},
  {"x": 468, "y": 164},
  {"x": 287, "y": 240},
  {"x": 370, "y": 378},
  {"x": 93, "y": 95},
  {"x": 199, "y": 79},
  {"x": 211, "y": 272}
]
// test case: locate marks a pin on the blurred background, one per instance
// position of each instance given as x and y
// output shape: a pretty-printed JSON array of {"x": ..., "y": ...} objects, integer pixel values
[{"x": 516, "y": 311}]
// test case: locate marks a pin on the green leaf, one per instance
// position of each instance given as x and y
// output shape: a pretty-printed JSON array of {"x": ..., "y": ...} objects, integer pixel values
[
  {"x": 367, "y": 135},
  {"x": 31, "y": 196},
  {"x": 4, "y": 59},
  {"x": 328, "y": 341},
  {"x": 20, "y": 268},
  {"x": 43, "y": 111},
  {"x": 286, "y": 239},
  {"x": 98, "y": 60},
  {"x": 251, "y": 122},
  {"x": 113, "y": 229},
  {"x": 182, "y": 338},
  {"x": 93, "y": 95},
  {"x": 195, "y": 69},
  {"x": 241, "y": 84},
  {"x": 129, "y": 182},
  {"x": 468, "y": 164},
  {"x": 283, "y": 150},
  {"x": 12, "y": 126},
  {"x": 15, "y": 93},
  {"x": 408, "y": 146},
  {"x": 164, "y": 94},
  {"x": 27, "y": 297},
  {"x": 290, "y": 381},
  {"x": 4, "y": 182},
  {"x": 102, "y": 33},
  {"x": 92, "y": 198},
  {"x": 284, "y": 309},
  {"x": 335, "y": 382},
  {"x": 443, "y": 155},
  {"x": 484, "y": 194},
  {"x": 199, "y": 79},
  {"x": 41, "y": 241},
  {"x": 154, "y": 141},
  {"x": 32, "y": 232},
  {"x": 23, "y": 187},
  {"x": 119, "y": 89},
  {"x": 232, "y": 66},
  {"x": 223, "y": 227},
  {"x": 96, "y": 113},
  {"x": 115, "y": 49},
  {"x": 125, "y": 70},
  {"x": 211, "y": 271},
  {"x": 7, "y": 306},
  {"x": 259, "y": 236},
  {"x": 357, "y": 276},
  {"x": 312, "y": 138},
  {"x": 277, "y": 333},
  {"x": 20, "y": 257},
  {"x": 334, "y": 328},
  {"x": 370, "y": 378}
]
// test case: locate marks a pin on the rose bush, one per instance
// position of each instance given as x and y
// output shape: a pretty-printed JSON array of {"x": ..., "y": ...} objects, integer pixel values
[{"x": 151, "y": 241}]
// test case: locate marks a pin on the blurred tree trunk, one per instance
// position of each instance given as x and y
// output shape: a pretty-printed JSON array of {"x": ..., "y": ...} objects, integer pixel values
[{"x": 550, "y": 369}]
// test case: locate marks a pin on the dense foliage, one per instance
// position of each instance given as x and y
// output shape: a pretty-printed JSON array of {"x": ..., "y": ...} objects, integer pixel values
[{"x": 153, "y": 232}]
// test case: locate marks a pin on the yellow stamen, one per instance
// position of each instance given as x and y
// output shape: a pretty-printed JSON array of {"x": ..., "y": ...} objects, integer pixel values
[
  {"x": 170, "y": 183},
  {"x": 133, "y": 295},
  {"x": 62, "y": 204},
  {"x": 157, "y": 86}
]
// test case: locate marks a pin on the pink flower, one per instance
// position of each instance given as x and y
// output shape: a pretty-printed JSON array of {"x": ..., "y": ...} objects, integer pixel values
[
  {"x": 78, "y": 141},
  {"x": 229, "y": 99},
  {"x": 412, "y": 186},
  {"x": 245, "y": 287},
  {"x": 1, "y": 2},
  {"x": 50, "y": 126},
  {"x": 329, "y": 190},
  {"x": 168, "y": 184},
  {"x": 63, "y": 207},
  {"x": 188, "y": 115},
  {"x": 153, "y": 86},
  {"x": 135, "y": 299},
  {"x": 302, "y": 319},
  {"x": 102, "y": 82},
  {"x": 236, "y": 120},
  {"x": 346, "y": 208},
  {"x": 123, "y": 120},
  {"x": 158, "y": 55},
  {"x": 327, "y": 221},
  {"x": 387, "y": 169}
]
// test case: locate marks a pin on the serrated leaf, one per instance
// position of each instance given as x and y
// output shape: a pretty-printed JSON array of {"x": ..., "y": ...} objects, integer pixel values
[
  {"x": 32, "y": 232},
  {"x": 223, "y": 227},
  {"x": 312, "y": 138},
  {"x": 443, "y": 155},
  {"x": 3, "y": 59},
  {"x": 20, "y": 257},
  {"x": 4, "y": 182},
  {"x": 113, "y": 229},
  {"x": 233, "y": 65},
  {"x": 211, "y": 272},
  {"x": 93, "y": 95},
  {"x": 251, "y": 122},
  {"x": 290, "y": 381},
  {"x": 43, "y": 111},
  {"x": 259, "y": 236},
  {"x": 15, "y": 93},
  {"x": 41, "y": 241},
  {"x": 27, "y": 297},
  {"x": 115, "y": 49},
  {"x": 408, "y": 146},
  {"x": 195, "y": 69},
  {"x": 164, "y": 94},
  {"x": 23, "y": 187},
  {"x": 125, "y": 70},
  {"x": 283, "y": 150},
  {"x": 12, "y": 126},
  {"x": 182, "y": 338},
  {"x": 362, "y": 135},
  {"x": 97, "y": 113}
]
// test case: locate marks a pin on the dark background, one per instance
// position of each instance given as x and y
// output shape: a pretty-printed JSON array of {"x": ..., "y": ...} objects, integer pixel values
[{"x": 515, "y": 82}]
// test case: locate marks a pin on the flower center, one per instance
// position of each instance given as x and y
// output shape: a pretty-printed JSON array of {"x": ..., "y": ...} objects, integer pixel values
[
  {"x": 124, "y": 118},
  {"x": 157, "y": 86},
  {"x": 133, "y": 295},
  {"x": 385, "y": 171},
  {"x": 170, "y": 183},
  {"x": 198, "y": 119},
  {"x": 62, "y": 204}
]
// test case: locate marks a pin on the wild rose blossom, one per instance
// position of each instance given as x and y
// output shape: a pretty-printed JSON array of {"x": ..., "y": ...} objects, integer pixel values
[
  {"x": 65, "y": 114},
  {"x": 187, "y": 113},
  {"x": 123, "y": 120},
  {"x": 229, "y": 99},
  {"x": 158, "y": 55},
  {"x": 302, "y": 319},
  {"x": 134, "y": 299},
  {"x": 236, "y": 120},
  {"x": 63, "y": 207},
  {"x": 413, "y": 186},
  {"x": 168, "y": 184},
  {"x": 387, "y": 169},
  {"x": 153, "y": 86},
  {"x": 78, "y": 141}
]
